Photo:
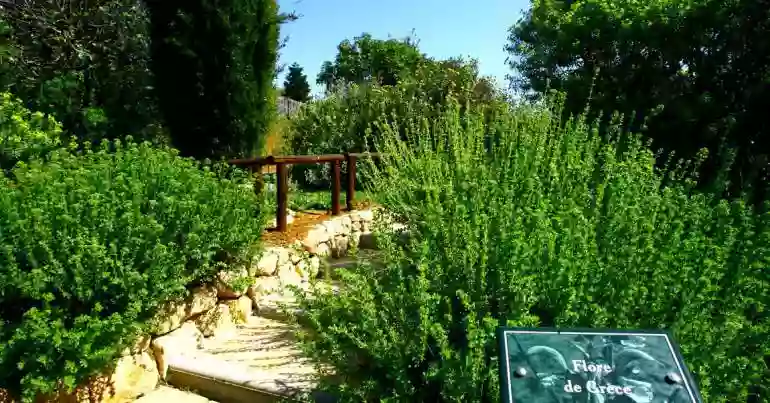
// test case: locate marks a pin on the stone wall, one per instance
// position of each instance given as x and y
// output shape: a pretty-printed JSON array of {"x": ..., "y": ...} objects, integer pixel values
[{"x": 215, "y": 310}]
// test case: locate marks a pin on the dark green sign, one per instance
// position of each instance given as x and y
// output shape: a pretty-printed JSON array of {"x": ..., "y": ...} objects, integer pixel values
[{"x": 590, "y": 366}]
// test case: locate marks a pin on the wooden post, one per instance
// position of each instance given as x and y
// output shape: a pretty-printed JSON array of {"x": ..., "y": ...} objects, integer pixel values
[
  {"x": 282, "y": 190},
  {"x": 351, "y": 193},
  {"x": 335, "y": 187}
]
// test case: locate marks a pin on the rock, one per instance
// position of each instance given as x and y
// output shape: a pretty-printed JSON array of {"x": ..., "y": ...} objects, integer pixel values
[
  {"x": 134, "y": 375},
  {"x": 267, "y": 285},
  {"x": 179, "y": 342},
  {"x": 216, "y": 322},
  {"x": 317, "y": 235},
  {"x": 172, "y": 314},
  {"x": 169, "y": 317},
  {"x": 346, "y": 222},
  {"x": 141, "y": 344},
  {"x": 240, "y": 309},
  {"x": 283, "y": 254},
  {"x": 355, "y": 217},
  {"x": 253, "y": 293},
  {"x": 366, "y": 215},
  {"x": 224, "y": 285},
  {"x": 340, "y": 246},
  {"x": 322, "y": 249},
  {"x": 332, "y": 227},
  {"x": 356, "y": 226},
  {"x": 201, "y": 299},
  {"x": 267, "y": 264},
  {"x": 366, "y": 226},
  {"x": 295, "y": 257},
  {"x": 288, "y": 275}
]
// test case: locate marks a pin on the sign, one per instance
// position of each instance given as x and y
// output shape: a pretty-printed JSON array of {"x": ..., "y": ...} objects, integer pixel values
[{"x": 590, "y": 366}]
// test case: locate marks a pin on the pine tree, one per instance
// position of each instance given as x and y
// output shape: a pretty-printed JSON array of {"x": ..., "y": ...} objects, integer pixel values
[{"x": 296, "y": 85}]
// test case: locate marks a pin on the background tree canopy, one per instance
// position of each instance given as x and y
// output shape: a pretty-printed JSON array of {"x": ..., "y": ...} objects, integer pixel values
[
  {"x": 295, "y": 86},
  {"x": 698, "y": 72},
  {"x": 369, "y": 59}
]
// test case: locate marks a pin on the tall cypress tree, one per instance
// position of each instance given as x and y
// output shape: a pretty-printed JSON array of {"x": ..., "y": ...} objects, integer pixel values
[
  {"x": 214, "y": 61},
  {"x": 296, "y": 86}
]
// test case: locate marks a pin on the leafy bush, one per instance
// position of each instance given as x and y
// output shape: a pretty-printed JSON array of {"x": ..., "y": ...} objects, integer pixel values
[
  {"x": 340, "y": 122},
  {"x": 24, "y": 135},
  {"x": 92, "y": 243},
  {"x": 548, "y": 225}
]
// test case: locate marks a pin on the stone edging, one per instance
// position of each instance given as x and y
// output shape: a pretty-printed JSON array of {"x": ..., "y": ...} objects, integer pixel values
[{"x": 214, "y": 310}]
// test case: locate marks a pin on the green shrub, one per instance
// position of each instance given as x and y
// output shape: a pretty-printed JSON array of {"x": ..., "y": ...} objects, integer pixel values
[
  {"x": 24, "y": 135},
  {"x": 92, "y": 243},
  {"x": 340, "y": 122},
  {"x": 549, "y": 226}
]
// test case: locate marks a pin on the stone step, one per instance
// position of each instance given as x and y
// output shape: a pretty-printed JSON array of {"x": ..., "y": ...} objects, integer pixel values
[
  {"x": 275, "y": 306},
  {"x": 165, "y": 394},
  {"x": 261, "y": 362}
]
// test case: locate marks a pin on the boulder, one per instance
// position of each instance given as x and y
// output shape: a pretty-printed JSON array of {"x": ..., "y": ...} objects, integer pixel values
[
  {"x": 134, "y": 375},
  {"x": 366, "y": 215},
  {"x": 254, "y": 295},
  {"x": 240, "y": 309},
  {"x": 322, "y": 249},
  {"x": 169, "y": 317},
  {"x": 182, "y": 341},
  {"x": 216, "y": 322},
  {"x": 141, "y": 344},
  {"x": 223, "y": 283},
  {"x": 296, "y": 256},
  {"x": 333, "y": 227},
  {"x": 267, "y": 264},
  {"x": 267, "y": 285},
  {"x": 288, "y": 274},
  {"x": 346, "y": 223},
  {"x": 341, "y": 245},
  {"x": 317, "y": 235},
  {"x": 201, "y": 299}
]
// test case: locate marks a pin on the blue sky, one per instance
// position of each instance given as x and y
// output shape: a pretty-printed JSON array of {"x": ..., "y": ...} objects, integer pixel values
[{"x": 445, "y": 28}]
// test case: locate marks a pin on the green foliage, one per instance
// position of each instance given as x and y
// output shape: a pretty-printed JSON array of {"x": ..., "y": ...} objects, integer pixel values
[
  {"x": 340, "y": 122},
  {"x": 92, "y": 243},
  {"x": 24, "y": 135},
  {"x": 525, "y": 221},
  {"x": 86, "y": 63},
  {"x": 705, "y": 63},
  {"x": 296, "y": 86},
  {"x": 215, "y": 63},
  {"x": 366, "y": 59}
]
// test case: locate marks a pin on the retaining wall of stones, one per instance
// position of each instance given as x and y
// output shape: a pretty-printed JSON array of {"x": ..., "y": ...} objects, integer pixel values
[{"x": 215, "y": 310}]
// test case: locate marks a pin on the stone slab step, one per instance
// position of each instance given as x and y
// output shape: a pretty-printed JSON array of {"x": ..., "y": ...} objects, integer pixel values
[
  {"x": 274, "y": 306},
  {"x": 165, "y": 394},
  {"x": 261, "y": 362}
]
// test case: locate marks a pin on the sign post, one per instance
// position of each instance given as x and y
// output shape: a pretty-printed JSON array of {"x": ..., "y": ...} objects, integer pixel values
[{"x": 592, "y": 366}]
